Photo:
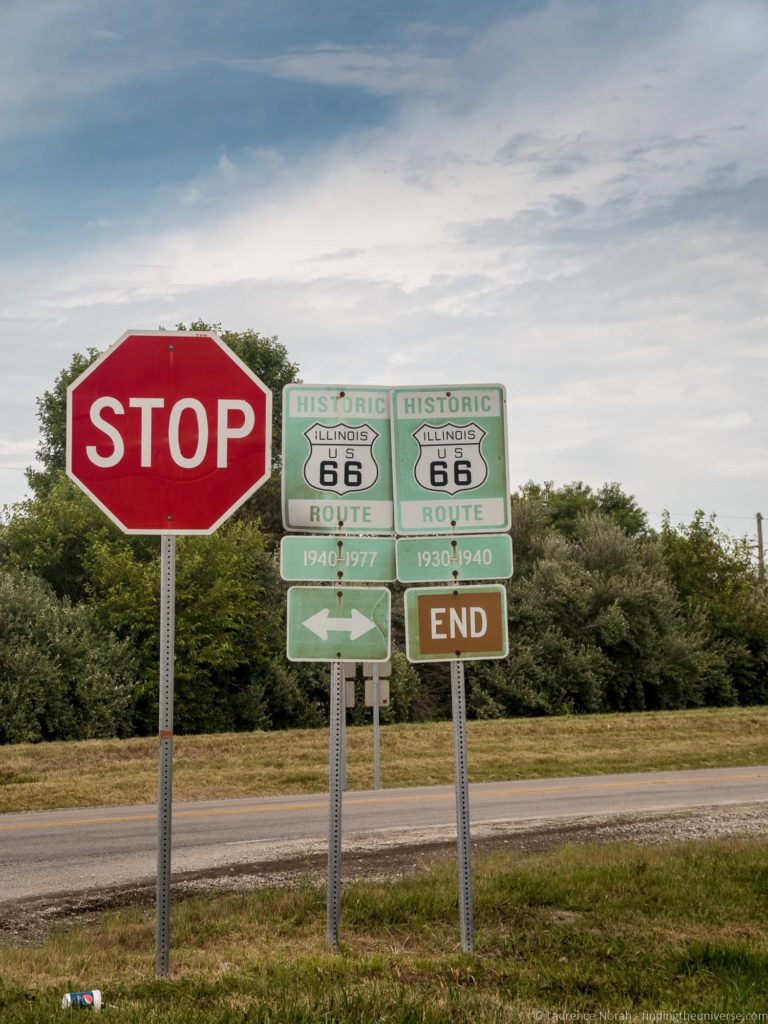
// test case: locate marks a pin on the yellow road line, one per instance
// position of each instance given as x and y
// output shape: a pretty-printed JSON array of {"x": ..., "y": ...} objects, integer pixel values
[{"x": 321, "y": 801}]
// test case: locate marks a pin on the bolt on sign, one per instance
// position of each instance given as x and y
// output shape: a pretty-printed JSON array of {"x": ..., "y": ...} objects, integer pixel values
[
  {"x": 456, "y": 623},
  {"x": 337, "y": 463},
  {"x": 449, "y": 450}
]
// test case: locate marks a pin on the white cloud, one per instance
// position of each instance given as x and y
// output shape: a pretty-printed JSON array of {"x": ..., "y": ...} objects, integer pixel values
[
  {"x": 577, "y": 213},
  {"x": 372, "y": 69},
  {"x": 225, "y": 165}
]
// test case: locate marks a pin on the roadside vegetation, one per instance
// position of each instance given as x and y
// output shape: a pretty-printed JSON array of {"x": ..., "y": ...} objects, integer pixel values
[
  {"x": 622, "y": 930},
  {"x": 605, "y": 614},
  {"x": 104, "y": 772}
]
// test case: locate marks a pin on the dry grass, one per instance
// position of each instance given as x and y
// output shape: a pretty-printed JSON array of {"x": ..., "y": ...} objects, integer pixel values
[
  {"x": 109, "y": 772},
  {"x": 625, "y": 930}
]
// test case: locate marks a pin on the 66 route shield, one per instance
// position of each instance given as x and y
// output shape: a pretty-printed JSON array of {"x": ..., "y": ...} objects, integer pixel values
[
  {"x": 357, "y": 472},
  {"x": 168, "y": 432},
  {"x": 450, "y": 457}
]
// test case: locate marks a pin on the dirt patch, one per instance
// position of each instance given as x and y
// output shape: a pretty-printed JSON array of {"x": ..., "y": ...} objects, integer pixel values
[{"x": 28, "y": 921}]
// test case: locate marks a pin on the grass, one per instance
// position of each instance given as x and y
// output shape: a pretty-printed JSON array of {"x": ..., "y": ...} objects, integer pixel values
[
  {"x": 618, "y": 930},
  {"x": 109, "y": 772}
]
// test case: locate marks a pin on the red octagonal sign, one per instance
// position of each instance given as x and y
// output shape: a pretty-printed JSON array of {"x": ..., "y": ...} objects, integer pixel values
[{"x": 169, "y": 432}]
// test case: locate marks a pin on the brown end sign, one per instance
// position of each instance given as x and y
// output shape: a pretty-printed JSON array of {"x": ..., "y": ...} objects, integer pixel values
[{"x": 465, "y": 621}]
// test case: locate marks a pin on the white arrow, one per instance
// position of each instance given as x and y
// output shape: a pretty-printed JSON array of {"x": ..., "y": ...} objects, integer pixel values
[{"x": 321, "y": 624}]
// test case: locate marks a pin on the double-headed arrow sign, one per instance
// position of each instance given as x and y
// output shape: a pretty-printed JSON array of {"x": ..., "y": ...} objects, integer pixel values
[
  {"x": 338, "y": 623},
  {"x": 321, "y": 624}
]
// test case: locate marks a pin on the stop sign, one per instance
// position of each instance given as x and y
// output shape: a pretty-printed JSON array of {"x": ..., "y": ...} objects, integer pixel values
[{"x": 168, "y": 432}]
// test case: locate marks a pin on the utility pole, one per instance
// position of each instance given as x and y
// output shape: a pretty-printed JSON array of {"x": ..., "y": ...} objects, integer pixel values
[{"x": 760, "y": 549}]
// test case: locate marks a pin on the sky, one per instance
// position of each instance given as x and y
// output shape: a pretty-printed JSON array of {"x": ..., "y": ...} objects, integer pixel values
[{"x": 568, "y": 197}]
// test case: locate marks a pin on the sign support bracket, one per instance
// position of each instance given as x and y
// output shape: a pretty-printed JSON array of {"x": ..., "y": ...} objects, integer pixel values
[
  {"x": 464, "y": 849},
  {"x": 165, "y": 760}
]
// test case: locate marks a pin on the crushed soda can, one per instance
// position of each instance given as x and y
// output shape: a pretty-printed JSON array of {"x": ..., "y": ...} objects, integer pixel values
[{"x": 90, "y": 1000}]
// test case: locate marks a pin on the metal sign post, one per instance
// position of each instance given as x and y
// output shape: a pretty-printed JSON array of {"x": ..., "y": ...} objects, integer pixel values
[
  {"x": 376, "y": 676},
  {"x": 334, "y": 804},
  {"x": 459, "y": 705},
  {"x": 344, "y": 747},
  {"x": 165, "y": 765}
]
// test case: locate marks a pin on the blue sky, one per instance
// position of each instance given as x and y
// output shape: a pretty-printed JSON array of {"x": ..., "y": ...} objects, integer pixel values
[{"x": 567, "y": 197}]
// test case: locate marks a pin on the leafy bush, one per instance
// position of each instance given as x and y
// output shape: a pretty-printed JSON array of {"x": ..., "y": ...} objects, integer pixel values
[{"x": 62, "y": 676}]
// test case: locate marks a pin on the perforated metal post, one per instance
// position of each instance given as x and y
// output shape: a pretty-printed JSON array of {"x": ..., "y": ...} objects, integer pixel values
[
  {"x": 334, "y": 804},
  {"x": 165, "y": 765},
  {"x": 344, "y": 746},
  {"x": 459, "y": 704},
  {"x": 376, "y": 696}
]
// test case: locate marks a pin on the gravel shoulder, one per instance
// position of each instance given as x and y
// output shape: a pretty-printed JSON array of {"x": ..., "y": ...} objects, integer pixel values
[{"x": 28, "y": 921}]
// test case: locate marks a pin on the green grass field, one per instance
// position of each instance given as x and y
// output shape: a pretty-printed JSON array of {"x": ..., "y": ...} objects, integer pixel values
[
  {"x": 94, "y": 772},
  {"x": 622, "y": 930}
]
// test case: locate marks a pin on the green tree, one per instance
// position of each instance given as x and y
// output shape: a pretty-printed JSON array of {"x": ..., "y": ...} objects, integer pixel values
[
  {"x": 52, "y": 416},
  {"x": 230, "y": 607},
  {"x": 597, "y": 626},
  {"x": 715, "y": 577},
  {"x": 562, "y": 507},
  {"x": 62, "y": 674},
  {"x": 51, "y": 533},
  {"x": 231, "y": 670}
]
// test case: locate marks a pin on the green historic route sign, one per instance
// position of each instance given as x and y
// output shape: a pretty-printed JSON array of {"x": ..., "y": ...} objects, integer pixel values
[
  {"x": 337, "y": 463},
  {"x": 449, "y": 449},
  {"x": 338, "y": 559},
  {"x": 338, "y": 624},
  {"x": 450, "y": 623},
  {"x": 465, "y": 557}
]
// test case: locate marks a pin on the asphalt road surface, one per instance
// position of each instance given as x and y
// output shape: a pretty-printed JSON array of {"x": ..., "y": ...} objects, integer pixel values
[{"x": 91, "y": 849}]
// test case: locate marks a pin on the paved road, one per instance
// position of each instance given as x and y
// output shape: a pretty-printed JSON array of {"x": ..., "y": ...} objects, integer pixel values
[{"x": 98, "y": 848}]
